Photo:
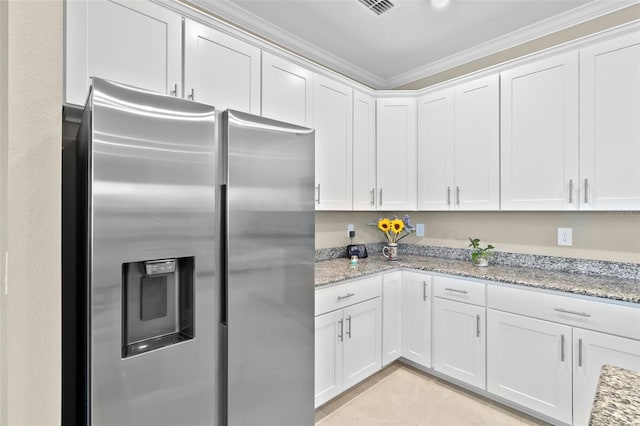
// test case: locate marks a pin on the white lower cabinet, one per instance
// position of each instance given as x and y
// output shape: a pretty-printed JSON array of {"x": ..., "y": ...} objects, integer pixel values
[
  {"x": 529, "y": 363},
  {"x": 416, "y": 317},
  {"x": 348, "y": 340},
  {"x": 591, "y": 351},
  {"x": 459, "y": 341},
  {"x": 391, "y": 317}
]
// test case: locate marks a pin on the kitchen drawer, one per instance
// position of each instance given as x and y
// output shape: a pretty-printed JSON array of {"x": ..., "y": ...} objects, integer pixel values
[
  {"x": 347, "y": 294},
  {"x": 620, "y": 320},
  {"x": 459, "y": 290}
]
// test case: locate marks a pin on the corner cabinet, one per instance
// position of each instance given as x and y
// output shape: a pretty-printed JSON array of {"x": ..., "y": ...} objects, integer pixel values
[
  {"x": 391, "y": 317},
  {"x": 364, "y": 151},
  {"x": 459, "y": 147},
  {"x": 287, "y": 91},
  {"x": 333, "y": 121},
  {"x": 132, "y": 42},
  {"x": 396, "y": 153},
  {"x": 416, "y": 317},
  {"x": 348, "y": 334},
  {"x": 220, "y": 70},
  {"x": 609, "y": 124},
  {"x": 539, "y": 131}
]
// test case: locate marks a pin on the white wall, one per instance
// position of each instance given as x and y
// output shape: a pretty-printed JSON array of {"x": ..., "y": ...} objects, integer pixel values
[{"x": 30, "y": 124}]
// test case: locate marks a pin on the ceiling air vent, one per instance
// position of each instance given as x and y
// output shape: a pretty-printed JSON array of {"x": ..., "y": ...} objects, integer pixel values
[{"x": 377, "y": 6}]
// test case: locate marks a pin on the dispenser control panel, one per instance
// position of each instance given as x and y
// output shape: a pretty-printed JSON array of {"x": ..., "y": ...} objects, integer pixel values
[{"x": 160, "y": 267}]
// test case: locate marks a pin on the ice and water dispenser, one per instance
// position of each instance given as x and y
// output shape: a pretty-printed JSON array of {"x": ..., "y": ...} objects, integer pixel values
[{"x": 157, "y": 305}]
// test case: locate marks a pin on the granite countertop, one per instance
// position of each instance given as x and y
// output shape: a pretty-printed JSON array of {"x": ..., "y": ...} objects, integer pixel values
[
  {"x": 617, "y": 400},
  {"x": 624, "y": 289}
]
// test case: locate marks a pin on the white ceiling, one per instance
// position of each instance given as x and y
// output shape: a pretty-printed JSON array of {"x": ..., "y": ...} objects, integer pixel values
[{"x": 412, "y": 40}]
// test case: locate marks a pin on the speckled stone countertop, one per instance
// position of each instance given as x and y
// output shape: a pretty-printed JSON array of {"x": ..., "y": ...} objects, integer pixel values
[
  {"x": 617, "y": 400},
  {"x": 625, "y": 289}
]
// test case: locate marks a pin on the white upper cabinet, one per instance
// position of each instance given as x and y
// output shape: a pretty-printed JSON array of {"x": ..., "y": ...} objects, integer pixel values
[
  {"x": 364, "y": 152},
  {"x": 436, "y": 150},
  {"x": 459, "y": 147},
  {"x": 396, "y": 153},
  {"x": 287, "y": 91},
  {"x": 610, "y": 125},
  {"x": 539, "y": 131},
  {"x": 220, "y": 70},
  {"x": 132, "y": 42},
  {"x": 333, "y": 121}
]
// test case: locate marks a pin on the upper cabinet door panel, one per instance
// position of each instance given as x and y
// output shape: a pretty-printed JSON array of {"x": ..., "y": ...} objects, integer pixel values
[
  {"x": 132, "y": 42},
  {"x": 333, "y": 121},
  {"x": 396, "y": 153},
  {"x": 539, "y": 131},
  {"x": 221, "y": 70},
  {"x": 610, "y": 125},
  {"x": 364, "y": 152},
  {"x": 435, "y": 150},
  {"x": 287, "y": 91},
  {"x": 477, "y": 145}
]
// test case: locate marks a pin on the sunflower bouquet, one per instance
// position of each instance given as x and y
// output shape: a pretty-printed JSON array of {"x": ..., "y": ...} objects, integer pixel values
[{"x": 395, "y": 229}]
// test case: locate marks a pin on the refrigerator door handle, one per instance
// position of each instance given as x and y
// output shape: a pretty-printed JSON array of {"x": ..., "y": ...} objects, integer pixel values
[{"x": 224, "y": 256}]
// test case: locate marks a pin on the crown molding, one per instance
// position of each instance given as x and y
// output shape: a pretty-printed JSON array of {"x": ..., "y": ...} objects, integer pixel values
[{"x": 297, "y": 46}]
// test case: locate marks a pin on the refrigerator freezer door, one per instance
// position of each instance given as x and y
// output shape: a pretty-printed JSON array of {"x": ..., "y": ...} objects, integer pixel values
[
  {"x": 152, "y": 161},
  {"x": 270, "y": 262}
]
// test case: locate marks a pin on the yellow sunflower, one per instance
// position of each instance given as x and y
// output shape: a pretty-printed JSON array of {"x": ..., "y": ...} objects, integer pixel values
[
  {"x": 384, "y": 225},
  {"x": 397, "y": 226}
]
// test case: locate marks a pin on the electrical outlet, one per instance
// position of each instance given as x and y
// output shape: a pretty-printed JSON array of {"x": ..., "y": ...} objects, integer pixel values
[
  {"x": 419, "y": 229},
  {"x": 350, "y": 228},
  {"x": 565, "y": 236}
]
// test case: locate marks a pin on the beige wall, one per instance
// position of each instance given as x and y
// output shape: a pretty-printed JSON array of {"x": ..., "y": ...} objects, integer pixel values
[
  {"x": 596, "y": 235},
  {"x": 611, "y": 20},
  {"x": 30, "y": 123}
]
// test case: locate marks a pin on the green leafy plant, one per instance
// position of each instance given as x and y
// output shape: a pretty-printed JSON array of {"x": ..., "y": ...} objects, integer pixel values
[{"x": 478, "y": 252}]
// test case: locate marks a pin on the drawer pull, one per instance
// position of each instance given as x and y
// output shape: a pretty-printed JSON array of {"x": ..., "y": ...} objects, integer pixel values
[
  {"x": 562, "y": 347},
  {"x": 349, "y": 326},
  {"x": 566, "y": 311},
  {"x": 341, "y": 331},
  {"x": 455, "y": 290},
  {"x": 348, "y": 295}
]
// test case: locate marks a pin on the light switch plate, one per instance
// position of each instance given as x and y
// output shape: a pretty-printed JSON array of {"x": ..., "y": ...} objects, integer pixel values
[
  {"x": 419, "y": 229},
  {"x": 565, "y": 236}
]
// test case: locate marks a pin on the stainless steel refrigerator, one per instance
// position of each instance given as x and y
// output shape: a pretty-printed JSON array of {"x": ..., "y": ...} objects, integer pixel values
[{"x": 188, "y": 241}]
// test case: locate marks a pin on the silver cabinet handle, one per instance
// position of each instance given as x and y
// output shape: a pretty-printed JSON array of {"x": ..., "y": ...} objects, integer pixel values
[
  {"x": 566, "y": 311},
  {"x": 562, "y": 347},
  {"x": 373, "y": 196},
  {"x": 341, "y": 335},
  {"x": 380, "y": 198},
  {"x": 348, "y": 295},
  {"x": 191, "y": 96},
  {"x": 477, "y": 325},
  {"x": 586, "y": 191},
  {"x": 579, "y": 352},
  {"x": 174, "y": 92},
  {"x": 448, "y": 195},
  {"x": 456, "y": 290},
  {"x": 424, "y": 290},
  {"x": 457, "y": 195},
  {"x": 570, "y": 191},
  {"x": 349, "y": 326},
  {"x": 318, "y": 194}
]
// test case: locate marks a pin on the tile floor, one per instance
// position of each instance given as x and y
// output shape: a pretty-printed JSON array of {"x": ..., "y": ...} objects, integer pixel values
[{"x": 400, "y": 395}]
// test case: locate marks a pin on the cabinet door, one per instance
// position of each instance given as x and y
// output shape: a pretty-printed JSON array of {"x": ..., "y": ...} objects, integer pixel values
[
  {"x": 416, "y": 318},
  {"x": 134, "y": 42},
  {"x": 436, "y": 150},
  {"x": 333, "y": 121},
  {"x": 459, "y": 339},
  {"x": 477, "y": 145},
  {"x": 529, "y": 363},
  {"x": 539, "y": 131},
  {"x": 610, "y": 125},
  {"x": 329, "y": 335},
  {"x": 364, "y": 152},
  {"x": 362, "y": 341},
  {"x": 287, "y": 91},
  {"x": 221, "y": 70},
  {"x": 593, "y": 350},
  {"x": 391, "y": 317},
  {"x": 396, "y": 153}
]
